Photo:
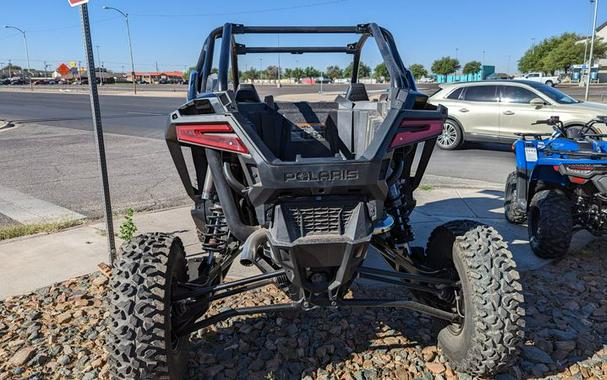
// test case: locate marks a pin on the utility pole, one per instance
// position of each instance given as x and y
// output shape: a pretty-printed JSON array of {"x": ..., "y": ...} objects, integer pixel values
[
  {"x": 483, "y": 57},
  {"x": 596, "y": 10},
  {"x": 278, "y": 84},
  {"x": 46, "y": 65},
  {"x": 128, "y": 32},
  {"x": 10, "y": 68},
  {"x": 101, "y": 66},
  {"x": 27, "y": 53}
]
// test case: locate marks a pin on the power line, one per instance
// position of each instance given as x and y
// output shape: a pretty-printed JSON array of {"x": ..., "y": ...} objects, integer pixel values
[{"x": 276, "y": 9}]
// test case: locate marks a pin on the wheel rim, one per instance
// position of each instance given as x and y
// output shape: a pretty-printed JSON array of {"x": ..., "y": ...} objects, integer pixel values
[{"x": 449, "y": 135}]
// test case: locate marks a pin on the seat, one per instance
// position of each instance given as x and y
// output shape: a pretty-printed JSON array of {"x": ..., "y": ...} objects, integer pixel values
[
  {"x": 247, "y": 93},
  {"x": 357, "y": 93}
]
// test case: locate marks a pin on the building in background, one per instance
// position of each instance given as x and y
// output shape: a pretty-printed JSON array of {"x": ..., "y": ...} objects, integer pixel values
[
  {"x": 157, "y": 77},
  {"x": 482, "y": 74}
]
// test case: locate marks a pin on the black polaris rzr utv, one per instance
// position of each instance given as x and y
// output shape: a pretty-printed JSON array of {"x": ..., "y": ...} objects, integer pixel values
[{"x": 304, "y": 191}]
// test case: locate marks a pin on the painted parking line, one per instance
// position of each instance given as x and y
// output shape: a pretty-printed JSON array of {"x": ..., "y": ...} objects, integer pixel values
[{"x": 26, "y": 209}]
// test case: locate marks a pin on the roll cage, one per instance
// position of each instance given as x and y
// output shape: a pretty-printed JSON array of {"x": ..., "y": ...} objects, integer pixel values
[{"x": 400, "y": 77}]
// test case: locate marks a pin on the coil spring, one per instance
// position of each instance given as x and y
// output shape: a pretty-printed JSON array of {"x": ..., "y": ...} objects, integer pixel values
[
  {"x": 399, "y": 205},
  {"x": 215, "y": 235}
]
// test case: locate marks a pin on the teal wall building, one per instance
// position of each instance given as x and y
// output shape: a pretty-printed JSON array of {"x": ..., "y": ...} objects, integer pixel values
[{"x": 482, "y": 74}]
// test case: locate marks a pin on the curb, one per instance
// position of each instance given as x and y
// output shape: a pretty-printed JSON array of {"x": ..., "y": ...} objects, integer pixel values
[{"x": 459, "y": 183}]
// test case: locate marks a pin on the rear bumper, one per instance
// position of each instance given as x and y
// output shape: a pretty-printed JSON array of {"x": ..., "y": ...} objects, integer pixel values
[{"x": 321, "y": 244}]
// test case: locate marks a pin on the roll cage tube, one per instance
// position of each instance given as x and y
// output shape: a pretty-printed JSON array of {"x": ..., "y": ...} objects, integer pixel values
[{"x": 230, "y": 50}]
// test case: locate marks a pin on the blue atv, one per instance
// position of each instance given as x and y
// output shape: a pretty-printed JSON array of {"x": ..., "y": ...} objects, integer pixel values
[{"x": 559, "y": 186}]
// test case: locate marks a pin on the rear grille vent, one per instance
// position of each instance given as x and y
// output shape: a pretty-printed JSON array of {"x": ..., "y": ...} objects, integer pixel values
[{"x": 319, "y": 220}]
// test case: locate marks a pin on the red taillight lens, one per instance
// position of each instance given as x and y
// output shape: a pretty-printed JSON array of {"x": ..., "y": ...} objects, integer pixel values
[
  {"x": 218, "y": 136},
  {"x": 412, "y": 131},
  {"x": 577, "y": 180}
]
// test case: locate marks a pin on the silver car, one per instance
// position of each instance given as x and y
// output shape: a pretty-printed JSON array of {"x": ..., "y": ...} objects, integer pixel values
[{"x": 496, "y": 110}]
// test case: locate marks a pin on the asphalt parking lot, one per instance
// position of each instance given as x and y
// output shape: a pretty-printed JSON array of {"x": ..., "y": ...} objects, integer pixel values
[{"x": 50, "y": 155}]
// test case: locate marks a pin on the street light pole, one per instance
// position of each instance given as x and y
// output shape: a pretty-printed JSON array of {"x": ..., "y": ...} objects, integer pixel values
[
  {"x": 100, "y": 68},
  {"x": 128, "y": 32},
  {"x": 596, "y": 9},
  {"x": 27, "y": 53}
]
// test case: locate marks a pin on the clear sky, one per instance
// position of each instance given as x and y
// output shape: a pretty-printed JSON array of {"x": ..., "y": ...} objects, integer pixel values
[{"x": 171, "y": 32}]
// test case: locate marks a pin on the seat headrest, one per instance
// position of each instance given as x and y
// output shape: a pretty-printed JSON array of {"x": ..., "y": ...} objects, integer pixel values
[
  {"x": 357, "y": 93},
  {"x": 247, "y": 93}
]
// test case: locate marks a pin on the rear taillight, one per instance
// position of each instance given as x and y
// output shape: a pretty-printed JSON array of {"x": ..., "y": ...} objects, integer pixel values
[
  {"x": 412, "y": 131},
  {"x": 580, "y": 173},
  {"x": 217, "y": 136}
]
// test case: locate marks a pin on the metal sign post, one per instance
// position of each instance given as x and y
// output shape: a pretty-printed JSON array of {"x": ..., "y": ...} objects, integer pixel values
[{"x": 97, "y": 128}]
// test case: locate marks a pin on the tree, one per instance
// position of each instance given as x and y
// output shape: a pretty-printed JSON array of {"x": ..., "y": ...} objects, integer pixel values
[
  {"x": 558, "y": 53},
  {"x": 297, "y": 73},
  {"x": 271, "y": 72},
  {"x": 250, "y": 74},
  {"x": 418, "y": 71},
  {"x": 334, "y": 72},
  {"x": 311, "y": 72},
  {"x": 187, "y": 73},
  {"x": 445, "y": 66},
  {"x": 288, "y": 73},
  {"x": 381, "y": 73},
  {"x": 364, "y": 71},
  {"x": 11, "y": 67},
  {"x": 472, "y": 67}
]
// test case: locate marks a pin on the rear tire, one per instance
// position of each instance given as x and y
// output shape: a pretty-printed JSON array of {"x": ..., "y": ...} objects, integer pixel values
[
  {"x": 141, "y": 344},
  {"x": 550, "y": 83},
  {"x": 512, "y": 212},
  {"x": 493, "y": 327},
  {"x": 550, "y": 224},
  {"x": 452, "y": 136}
]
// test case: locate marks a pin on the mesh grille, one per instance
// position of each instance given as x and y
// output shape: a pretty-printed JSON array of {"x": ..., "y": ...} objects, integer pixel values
[{"x": 320, "y": 220}]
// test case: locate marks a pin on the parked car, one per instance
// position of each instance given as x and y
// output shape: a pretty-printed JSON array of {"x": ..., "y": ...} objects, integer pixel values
[
  {"x": 496, "y": 76},
  {"x": 18, "y": 82},
  {"x": 549, "y": 80},
  {"x": 495, "y": 111},
  {"x": 323, "y": 80}
]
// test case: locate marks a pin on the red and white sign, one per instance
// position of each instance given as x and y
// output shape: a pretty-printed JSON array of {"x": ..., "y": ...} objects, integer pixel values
[{"x": 75, "y": 3}]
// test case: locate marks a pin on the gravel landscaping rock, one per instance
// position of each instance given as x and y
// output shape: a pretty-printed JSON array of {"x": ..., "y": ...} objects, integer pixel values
[{"x": 58, "y": 332}]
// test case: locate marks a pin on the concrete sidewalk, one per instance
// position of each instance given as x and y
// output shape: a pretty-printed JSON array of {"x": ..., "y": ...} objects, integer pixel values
[{"x": 32, "y": 262}]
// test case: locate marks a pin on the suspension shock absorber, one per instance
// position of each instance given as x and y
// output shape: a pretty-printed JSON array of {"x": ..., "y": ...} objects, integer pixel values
[
  {"x": 399, "y": 204},
  {"x": 215, "y": 235}
]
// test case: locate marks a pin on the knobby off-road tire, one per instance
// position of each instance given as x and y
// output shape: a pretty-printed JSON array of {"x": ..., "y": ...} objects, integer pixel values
[
  {"x": 141, "y": 344},
  {"x": 493, "y": 327},
  {"x": 512, "y": 212},
  {"x": 550, "y": 224}
]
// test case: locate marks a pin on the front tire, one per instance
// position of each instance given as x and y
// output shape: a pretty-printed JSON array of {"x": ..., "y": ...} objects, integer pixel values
[
  {"x": 550, "y": 224},
  {"x": 512, "y": 212},
  {"x": 490, "y": 297},
  {"x": 452, "y": 136},
  {"x": 549, "y": 83},
  {"x": 141, "y": 342}
]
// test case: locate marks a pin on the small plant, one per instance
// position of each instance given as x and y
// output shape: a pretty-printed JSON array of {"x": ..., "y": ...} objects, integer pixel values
[
  {"x": 425, "y": 187},
  {"x": 128, "y": 227}
]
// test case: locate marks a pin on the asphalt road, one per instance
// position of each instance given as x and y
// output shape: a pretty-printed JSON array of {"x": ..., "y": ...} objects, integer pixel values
[{"x": 51, "y": 156}]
